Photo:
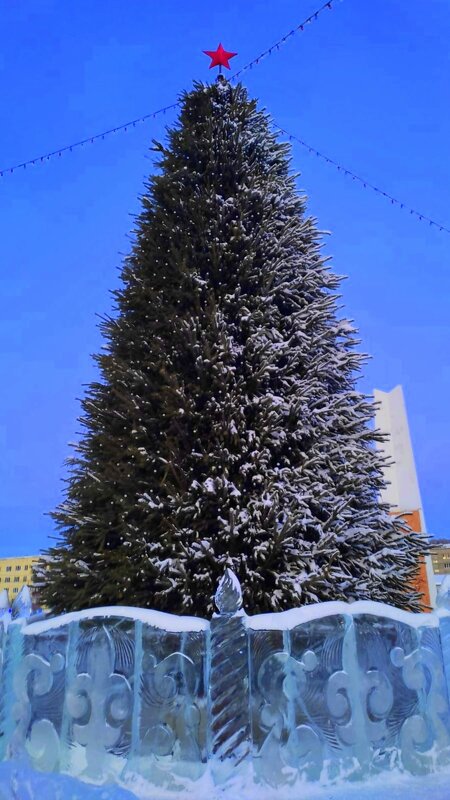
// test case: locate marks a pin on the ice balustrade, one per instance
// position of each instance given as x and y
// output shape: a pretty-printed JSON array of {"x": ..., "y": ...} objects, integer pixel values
[{"x": 314, "y": 694}]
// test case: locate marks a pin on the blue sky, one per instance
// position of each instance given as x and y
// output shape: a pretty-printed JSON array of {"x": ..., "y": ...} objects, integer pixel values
[{"x": 367, "y": 84}]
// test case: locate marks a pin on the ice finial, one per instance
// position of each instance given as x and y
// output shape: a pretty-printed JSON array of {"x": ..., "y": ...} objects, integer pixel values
[
  {"x": 4, "y": 603},
  {"x": 228, "y": 596},
  {"x": 21, "y": 606},
  {"x": 4, "y": 600},
  {"x": 443, "y": 595}
]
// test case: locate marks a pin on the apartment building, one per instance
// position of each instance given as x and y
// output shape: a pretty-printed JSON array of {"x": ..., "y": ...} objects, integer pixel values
[
  {"x": 16, "y": 572},
  {"x": 440, "y": 556}
]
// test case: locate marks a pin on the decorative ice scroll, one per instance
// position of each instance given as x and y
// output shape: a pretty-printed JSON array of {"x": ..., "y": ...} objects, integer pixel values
[
  {"x": 101, "y": 692},
  {"x": 310, "y": 694},
  {"x": 347, "y": 690}
]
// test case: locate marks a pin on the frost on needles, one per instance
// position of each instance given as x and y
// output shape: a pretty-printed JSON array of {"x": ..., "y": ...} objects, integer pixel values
[{"x": 226, "y": 429}]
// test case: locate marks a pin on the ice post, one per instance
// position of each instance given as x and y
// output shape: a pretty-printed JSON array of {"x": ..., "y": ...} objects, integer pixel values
[{"x": 229, "y": 691}]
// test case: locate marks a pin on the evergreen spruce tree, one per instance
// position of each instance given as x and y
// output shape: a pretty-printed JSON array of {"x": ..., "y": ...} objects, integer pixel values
[{"x": 226, "y": 428}]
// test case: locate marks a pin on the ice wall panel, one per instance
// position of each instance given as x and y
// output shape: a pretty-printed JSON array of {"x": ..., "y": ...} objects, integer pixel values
[{"x": 321, "y": 693}]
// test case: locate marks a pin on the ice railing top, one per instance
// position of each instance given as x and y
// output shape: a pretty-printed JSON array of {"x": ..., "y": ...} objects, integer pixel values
[{"x": 312, "y": 693}]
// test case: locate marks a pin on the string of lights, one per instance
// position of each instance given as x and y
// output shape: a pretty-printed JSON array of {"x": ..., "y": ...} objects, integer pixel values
[
  {"x": 362, "y": 181},
  {"x": 298, "y": 28},
  {"x": 152, "y": 115},
  {"x": 89, "y": 140},
  {"x": 132, "y": 124}
]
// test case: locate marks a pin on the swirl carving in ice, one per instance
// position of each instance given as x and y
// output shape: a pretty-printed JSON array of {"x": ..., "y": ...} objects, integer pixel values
[
  {"x": 281, "y": 680},
  {"x": 34, "y": 677},
  {"x": 169, "y": 690},
  {"x": 422, "y": 672},
  {"x": 99, "y": 701}
]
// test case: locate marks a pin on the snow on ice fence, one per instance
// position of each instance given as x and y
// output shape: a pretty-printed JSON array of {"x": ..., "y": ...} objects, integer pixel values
[{"x": 324, "y": 692}]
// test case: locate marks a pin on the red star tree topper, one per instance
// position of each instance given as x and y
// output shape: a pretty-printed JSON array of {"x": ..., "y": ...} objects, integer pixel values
[{"x": 220, "y": 57}]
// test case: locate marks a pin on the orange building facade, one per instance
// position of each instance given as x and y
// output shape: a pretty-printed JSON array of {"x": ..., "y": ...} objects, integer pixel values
[
  {"x": 422, "y": 582},
  {"x": 402, "y": 491}
]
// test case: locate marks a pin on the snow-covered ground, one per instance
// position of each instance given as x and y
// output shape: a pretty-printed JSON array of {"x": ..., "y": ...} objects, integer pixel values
[
  {"x": 17, "y": 782},
  {"x": 20, "y": 783}
]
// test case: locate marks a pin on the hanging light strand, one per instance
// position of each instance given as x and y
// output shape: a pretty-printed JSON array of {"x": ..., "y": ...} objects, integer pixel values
[
  {"x": 89, "y": 140},
  {"x": 275, "y": 47},
  {"x": 361, "y": 181},
  {"x": 298, "y": 29},
  {"x": 132, "y": 124}
]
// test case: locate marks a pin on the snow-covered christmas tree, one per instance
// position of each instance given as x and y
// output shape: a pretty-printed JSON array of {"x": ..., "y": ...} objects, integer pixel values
[{"x": 227, "y": 429}]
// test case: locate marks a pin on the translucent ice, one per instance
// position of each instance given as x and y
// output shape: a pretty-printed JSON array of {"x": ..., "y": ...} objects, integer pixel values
[{"x": 324, "y": 694}]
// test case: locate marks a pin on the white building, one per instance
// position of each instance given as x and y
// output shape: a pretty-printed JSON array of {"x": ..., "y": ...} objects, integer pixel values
[{"x": 402, "y": 492}]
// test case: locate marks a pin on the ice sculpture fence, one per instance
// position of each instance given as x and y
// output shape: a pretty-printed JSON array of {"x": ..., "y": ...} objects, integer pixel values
[{"x": 311, "y": 694}]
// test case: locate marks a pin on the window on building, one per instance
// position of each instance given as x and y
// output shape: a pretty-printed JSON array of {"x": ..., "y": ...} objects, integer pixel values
[
  {"x": 16, "y": 580},
  {"x": 26, "y": 566},
  {"x": 15, "y": 591},
  {"x": 18, "y": 567},
  {"x": 7, "y": 580},
  {"x": 8, "y": 569}
]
